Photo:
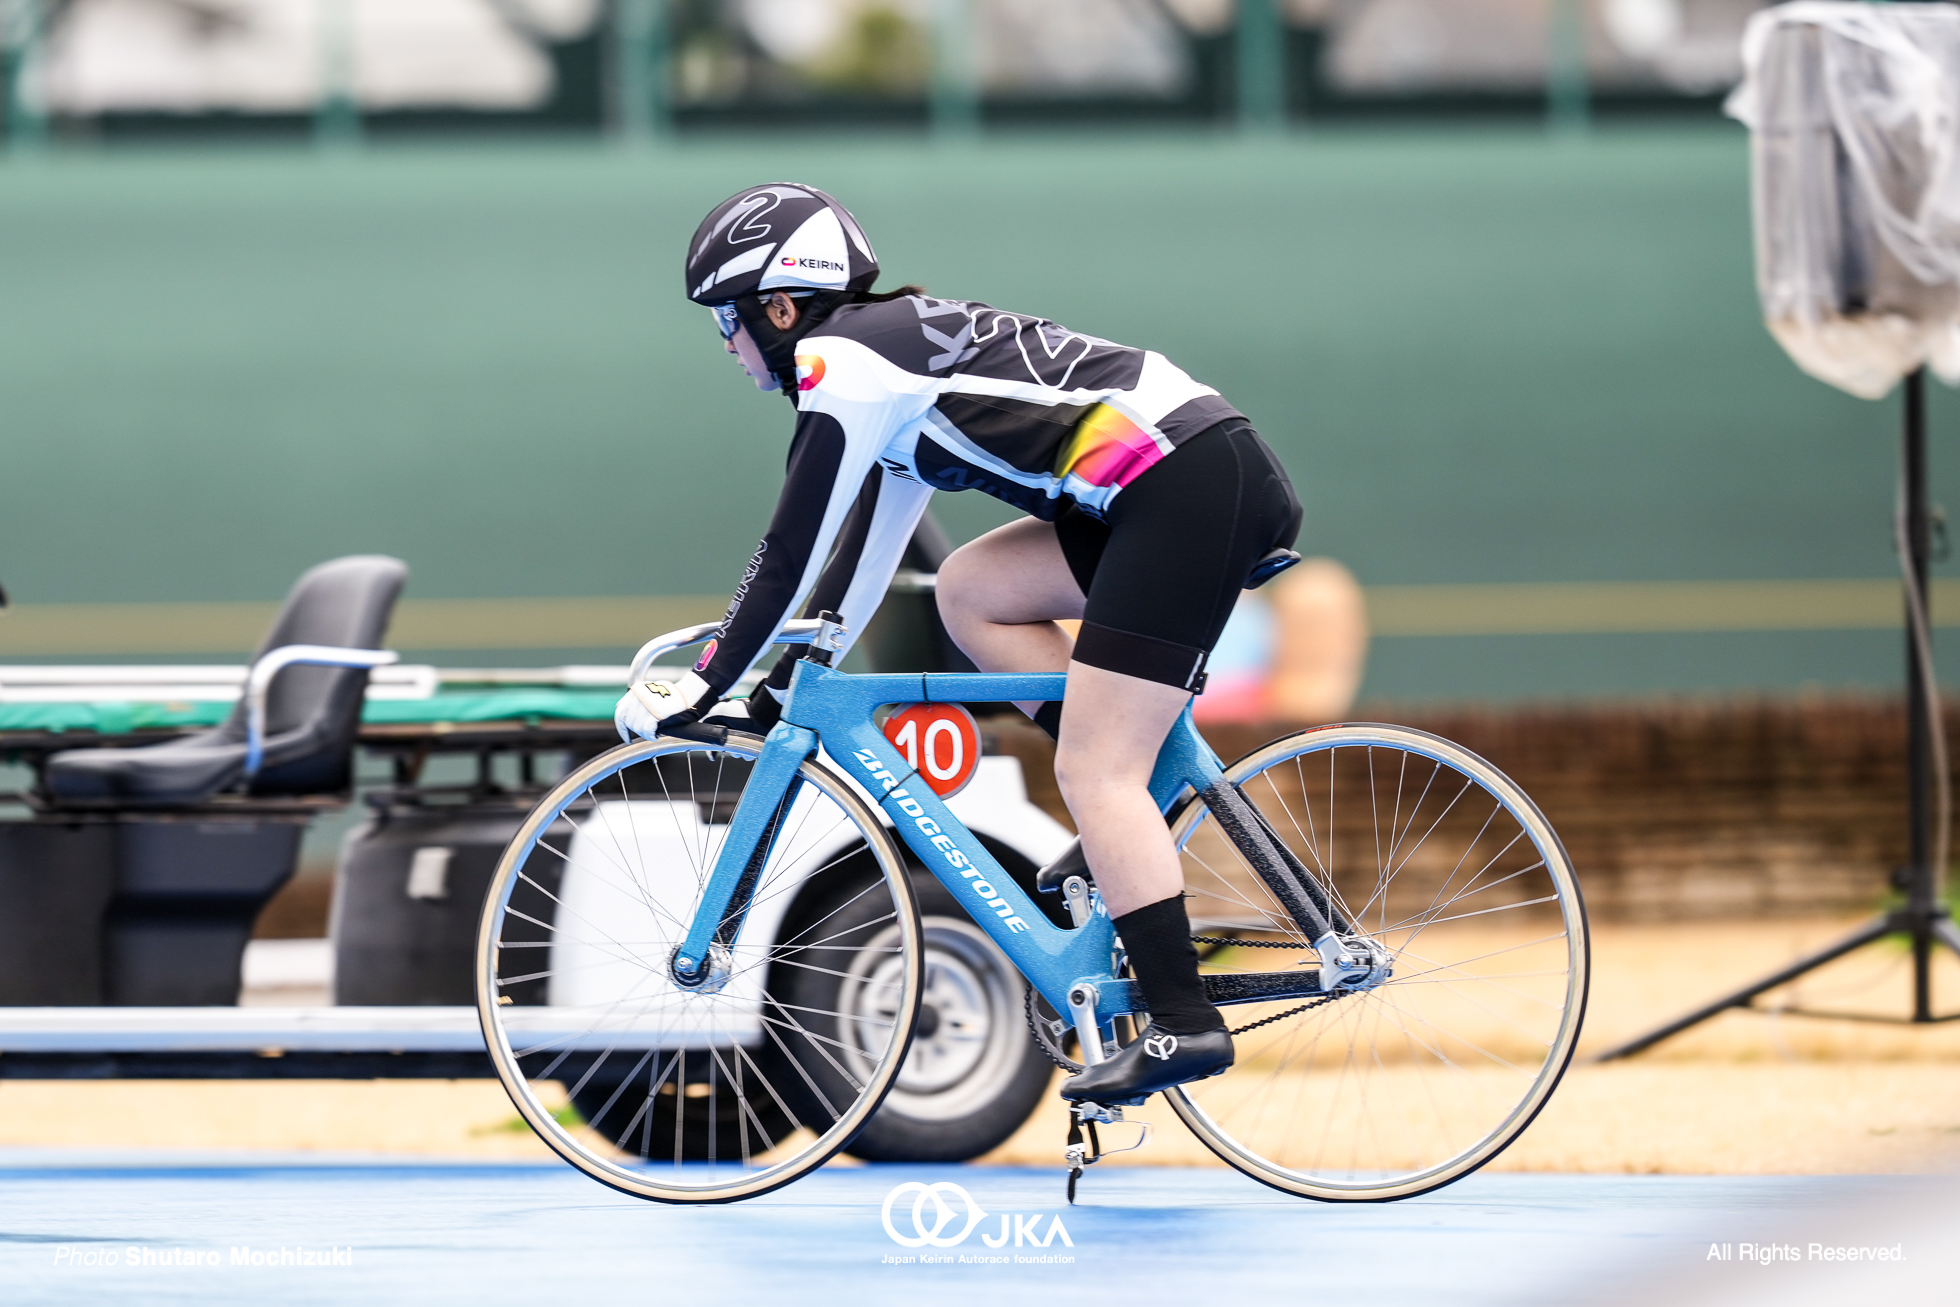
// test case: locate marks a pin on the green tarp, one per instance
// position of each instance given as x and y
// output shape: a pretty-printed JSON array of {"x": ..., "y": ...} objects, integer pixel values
[{"x": 113, "y": 718}]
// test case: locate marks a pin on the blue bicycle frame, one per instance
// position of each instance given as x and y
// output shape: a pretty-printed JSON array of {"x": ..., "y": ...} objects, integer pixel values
[{"x": 835, "y": 709}]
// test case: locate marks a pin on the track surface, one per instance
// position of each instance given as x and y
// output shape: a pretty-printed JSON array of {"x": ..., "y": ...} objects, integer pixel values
[{"x": 474, "y": 1233}]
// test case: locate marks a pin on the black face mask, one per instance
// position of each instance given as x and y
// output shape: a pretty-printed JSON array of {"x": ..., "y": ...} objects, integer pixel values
[{"x": 779, "y": 347}]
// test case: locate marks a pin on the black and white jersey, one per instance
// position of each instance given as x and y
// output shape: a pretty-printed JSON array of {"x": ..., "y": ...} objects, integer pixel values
[{"x": 900, "y": 398}]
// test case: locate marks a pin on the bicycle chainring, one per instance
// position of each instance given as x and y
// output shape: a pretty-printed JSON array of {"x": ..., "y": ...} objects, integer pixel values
[{"x": 1049, "y": 1033}]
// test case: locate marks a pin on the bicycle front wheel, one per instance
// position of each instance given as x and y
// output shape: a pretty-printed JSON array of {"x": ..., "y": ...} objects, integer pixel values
[
  {"x": 759, "y": 1073},
  {"x": 1416, "y": 1079}
]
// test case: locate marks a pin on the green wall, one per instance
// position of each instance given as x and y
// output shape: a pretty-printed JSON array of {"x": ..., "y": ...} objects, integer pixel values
[{"x": 1485, "y": 357}]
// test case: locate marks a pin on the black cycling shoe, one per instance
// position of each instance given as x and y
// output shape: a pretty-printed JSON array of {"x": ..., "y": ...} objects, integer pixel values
[{"x": 1153, "y": 1063}]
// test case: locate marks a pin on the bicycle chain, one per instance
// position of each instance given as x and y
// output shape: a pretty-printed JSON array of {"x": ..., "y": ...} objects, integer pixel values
[
  {"x": 1236, "y": 942},
  {"x": 1292, "y": 1011}
]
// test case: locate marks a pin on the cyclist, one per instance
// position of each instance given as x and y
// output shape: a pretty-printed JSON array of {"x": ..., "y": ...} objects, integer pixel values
[{"x": 1150, "y": 501}]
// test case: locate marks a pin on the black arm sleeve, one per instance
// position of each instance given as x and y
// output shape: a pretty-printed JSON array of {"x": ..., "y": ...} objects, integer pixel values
[
  {"x": 838, "y": 573},
  {"x": 780, "y": 570}
]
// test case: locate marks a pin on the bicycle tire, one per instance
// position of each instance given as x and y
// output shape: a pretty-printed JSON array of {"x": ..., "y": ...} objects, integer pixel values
[
  {"x": 1484, "y": 999},
  {"x": 598, "y": 1046},
  {"x": 973, "y": 1076}
]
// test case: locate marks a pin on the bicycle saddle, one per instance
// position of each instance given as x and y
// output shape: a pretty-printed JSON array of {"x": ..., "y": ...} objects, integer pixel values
[
  {"x": 1269, "y": 566},
  {"x": 1049, "y": 879}
]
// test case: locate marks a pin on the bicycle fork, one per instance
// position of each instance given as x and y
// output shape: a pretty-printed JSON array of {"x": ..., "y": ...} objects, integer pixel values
[{"x": 701, "y": 960}]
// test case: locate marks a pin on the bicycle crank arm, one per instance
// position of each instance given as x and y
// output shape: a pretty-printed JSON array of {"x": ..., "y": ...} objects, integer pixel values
[{"x": 1083, "y": 1001}]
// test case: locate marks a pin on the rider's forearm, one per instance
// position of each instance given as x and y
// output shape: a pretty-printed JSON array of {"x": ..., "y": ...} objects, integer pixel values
[{"x": 818, "y": 493}]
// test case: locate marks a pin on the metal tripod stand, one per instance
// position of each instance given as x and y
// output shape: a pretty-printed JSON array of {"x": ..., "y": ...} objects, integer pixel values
[{"x": 1924, "y": 919}]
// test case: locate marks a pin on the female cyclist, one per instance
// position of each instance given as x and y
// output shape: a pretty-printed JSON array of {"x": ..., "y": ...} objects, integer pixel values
[{"x": 1151, "y": 503}]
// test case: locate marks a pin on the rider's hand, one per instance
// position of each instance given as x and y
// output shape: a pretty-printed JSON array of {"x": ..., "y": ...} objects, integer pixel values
[
  {"x": 755, "y": 714},
  {"x": 732, "y": 714},
  {"x": 646, "y": 710}
]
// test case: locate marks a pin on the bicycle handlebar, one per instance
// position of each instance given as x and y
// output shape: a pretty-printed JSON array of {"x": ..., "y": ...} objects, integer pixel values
[{"x": 798, "y": 631}]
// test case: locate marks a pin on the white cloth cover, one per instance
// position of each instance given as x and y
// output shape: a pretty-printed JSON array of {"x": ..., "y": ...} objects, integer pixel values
[{"x": 1854, "y": 117}]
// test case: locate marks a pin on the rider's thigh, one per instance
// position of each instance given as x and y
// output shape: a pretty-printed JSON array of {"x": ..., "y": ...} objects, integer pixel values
[{"x": 1012, "y": 574}]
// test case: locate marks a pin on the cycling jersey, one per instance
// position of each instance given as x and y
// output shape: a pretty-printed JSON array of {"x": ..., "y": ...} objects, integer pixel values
[{"x": 899, "y": 398}]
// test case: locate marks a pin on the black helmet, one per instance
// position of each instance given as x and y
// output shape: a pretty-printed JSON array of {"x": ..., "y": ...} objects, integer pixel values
[{"x": 781, "y": 236}]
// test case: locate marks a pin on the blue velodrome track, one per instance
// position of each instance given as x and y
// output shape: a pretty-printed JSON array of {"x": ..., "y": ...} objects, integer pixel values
[{"x": 74, "y": 1224}]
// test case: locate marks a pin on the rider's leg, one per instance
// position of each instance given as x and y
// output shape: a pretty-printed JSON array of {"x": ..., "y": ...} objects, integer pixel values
[
  {"x": 1000, "y": 596},
  {"x": 1112, "y": 727},
  {"x": 1155, "y": 577}
]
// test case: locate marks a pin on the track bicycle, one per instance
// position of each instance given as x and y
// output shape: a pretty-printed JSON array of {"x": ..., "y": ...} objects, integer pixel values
[{"x": 700, "y": 963}]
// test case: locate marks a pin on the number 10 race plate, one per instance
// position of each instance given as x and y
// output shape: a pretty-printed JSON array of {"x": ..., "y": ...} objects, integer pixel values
[{"x": 939, "y": 741}]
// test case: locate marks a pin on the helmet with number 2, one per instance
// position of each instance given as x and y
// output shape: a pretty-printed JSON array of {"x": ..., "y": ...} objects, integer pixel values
[{"x": 781, "y": 236}]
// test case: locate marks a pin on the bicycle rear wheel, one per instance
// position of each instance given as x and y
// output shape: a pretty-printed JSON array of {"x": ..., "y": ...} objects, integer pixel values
[
  {"x": 757, "y": 1075},
  {"x": 1400, "y": 1087}
]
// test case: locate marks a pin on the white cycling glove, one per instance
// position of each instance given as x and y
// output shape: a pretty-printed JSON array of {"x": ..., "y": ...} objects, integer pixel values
[{"x": 647, "y": 709}]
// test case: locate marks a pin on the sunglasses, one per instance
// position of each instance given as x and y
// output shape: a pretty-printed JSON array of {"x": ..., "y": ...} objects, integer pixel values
[{"x": 728, "y": 324}]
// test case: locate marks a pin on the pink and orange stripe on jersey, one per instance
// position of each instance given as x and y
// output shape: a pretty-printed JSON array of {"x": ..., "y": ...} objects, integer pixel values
[{"x": 1109, "y": 450}]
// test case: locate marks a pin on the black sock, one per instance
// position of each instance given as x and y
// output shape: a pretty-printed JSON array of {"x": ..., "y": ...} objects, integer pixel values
[
  {"x": 1157, "y": 936},
  {"x": 1049, "y": 718}
]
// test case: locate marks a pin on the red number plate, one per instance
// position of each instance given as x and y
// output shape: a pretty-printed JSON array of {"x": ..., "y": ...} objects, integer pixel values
[{"x": 939, "y": 741}]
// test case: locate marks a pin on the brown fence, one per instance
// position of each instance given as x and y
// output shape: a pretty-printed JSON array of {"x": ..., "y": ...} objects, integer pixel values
[{"x": 1676, "y": 810}]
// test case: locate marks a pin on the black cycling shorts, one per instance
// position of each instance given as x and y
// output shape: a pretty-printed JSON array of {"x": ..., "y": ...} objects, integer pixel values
[{"x": 1162, "y": 573}]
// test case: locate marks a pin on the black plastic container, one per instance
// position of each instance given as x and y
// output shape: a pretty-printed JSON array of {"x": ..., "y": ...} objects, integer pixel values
[
  {"x": 150, "y": 911},
  {"x": 56, "y": 880},
  {"x": 188, "y": 891},
  {"x": 408, "y": 897}
]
